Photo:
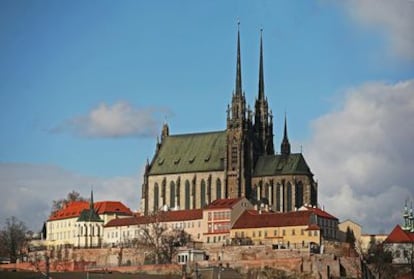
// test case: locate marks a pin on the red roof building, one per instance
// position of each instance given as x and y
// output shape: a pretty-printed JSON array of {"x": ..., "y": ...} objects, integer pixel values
[
  {"x": 398, "y": 235},
  {"x": 74, "y": 209}
]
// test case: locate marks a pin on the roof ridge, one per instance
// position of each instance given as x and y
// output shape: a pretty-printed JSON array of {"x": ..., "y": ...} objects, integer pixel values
[{"x": 197, "y": 134}]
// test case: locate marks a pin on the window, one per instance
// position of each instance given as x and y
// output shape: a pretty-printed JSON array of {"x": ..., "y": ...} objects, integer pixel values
[
  {"x": 156, "y": 196},
  {"x": 254, "y": 234},
  {"x": 203, "y": 193},
  {"x": 275, "y": 233},
  {"x": 289, "y": 197},
  {"x": 260, "y": 233},
  {"x": 302, "y": 232},
  {"x": 315, "y": 233},
  {"x": 283, "y": 232},
  {"x": 234, "y": 156},
  {"x": 172, "y": 194},
  {"x": 293, "y": 232},
  {"x": 265, "y": 233},
  {"x": 218, "y": 188},
  {"x": 187, "y": 194}
]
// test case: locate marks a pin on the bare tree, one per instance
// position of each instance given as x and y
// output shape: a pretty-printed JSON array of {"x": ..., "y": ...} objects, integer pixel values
[
  {"x": 13, "y": 238},
  {"x": 71, "y": 197},
  {"x": 162, "y": 241}
]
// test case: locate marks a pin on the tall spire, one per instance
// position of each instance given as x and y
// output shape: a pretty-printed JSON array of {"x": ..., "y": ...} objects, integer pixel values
[
  {"x": 285, "y": 146},
  {"x": 261, "y": 77},
  {"x": 238, "y": 71},
  {"x": 91, "y": 201}
]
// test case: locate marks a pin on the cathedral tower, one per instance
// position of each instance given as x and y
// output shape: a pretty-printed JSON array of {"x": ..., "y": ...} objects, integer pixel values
[
  {"x": 263, "y": 120},
  {"x": 238, "y": 159}
]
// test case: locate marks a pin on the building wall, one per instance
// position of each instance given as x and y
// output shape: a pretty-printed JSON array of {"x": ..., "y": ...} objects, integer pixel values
[
  {"x": 289, "y": 237},
  {"x": 276, "y": 190},
  {"x": 356, "y": 229},
  {"x": 118, "y": 235},
  {"x": 67, "y": 231},
  {"x": 179, "y": 180},
  {"x": 61, "y": 232}
]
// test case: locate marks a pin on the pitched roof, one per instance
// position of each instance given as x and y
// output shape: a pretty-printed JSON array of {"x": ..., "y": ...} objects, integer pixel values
[
  {"x": 89, "y": 215},
  {"x": 319, "y": 212},
  {"x": 270, "y": 165},
  {"x": 74, "y": 209},
  {"x": 190, "y": 153},
  {"x": 223, "y": 203},
  {"x": 163, "y": 216},
  {"x": 398, "y": 235},
  {"x": 254, "y": 219},
  {"x": 112, "y": 207}
]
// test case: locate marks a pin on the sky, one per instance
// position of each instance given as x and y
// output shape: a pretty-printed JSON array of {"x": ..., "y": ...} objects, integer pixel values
[{"x": 85, "y": 87}]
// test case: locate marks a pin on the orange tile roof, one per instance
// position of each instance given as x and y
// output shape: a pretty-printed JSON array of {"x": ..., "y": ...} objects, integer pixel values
[
  {"x": 223, "y": 203},
  {"x": 398, "y": 235},
  {"x": 74, "y": 209},
  {"x": 254, "y": 219},
  {"x": 164, "y": 216}
]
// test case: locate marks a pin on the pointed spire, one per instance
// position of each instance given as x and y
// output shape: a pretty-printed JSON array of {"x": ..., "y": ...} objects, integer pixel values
[
  {"x": 261, "y": 77},
  {"x": 285, "y": 146},
  {"x": 91, "y": 201},
  {"x": 238, "y": 89}
]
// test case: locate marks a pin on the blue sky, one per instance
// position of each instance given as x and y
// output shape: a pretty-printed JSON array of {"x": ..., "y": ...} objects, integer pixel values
[{"x": 86, "y": 85}]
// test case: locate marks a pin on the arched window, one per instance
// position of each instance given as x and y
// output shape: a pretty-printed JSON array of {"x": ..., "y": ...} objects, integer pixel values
[
  {"x": 187, "y": 194},
  {"x": 172, "y": 194},
  {"x": 266, "y": 193},
  {"x": 156, "y": 197},
  {"x": 203, "y": 193},
  {"x": 278, "y": 197},
  {"x": 289, "y": 197},
  {"x": 299, "y": 194},
  {"x": 218, "y": 188}
]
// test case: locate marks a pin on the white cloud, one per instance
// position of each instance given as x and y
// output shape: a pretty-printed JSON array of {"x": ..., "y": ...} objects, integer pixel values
[
  {"x": 118, "y": 120},
  {"x": 27, "y": 190},
  {"x": 363, "y": 154},
  {"x": 395, "y": 18}
]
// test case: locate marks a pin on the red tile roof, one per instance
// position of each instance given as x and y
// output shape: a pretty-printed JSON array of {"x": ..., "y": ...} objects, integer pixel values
[
  {"x": 321, "y": 213},
  {"x": 254, "y": 219},
  {"x": 398, "y": 235},
  {"x": 223, "y": 203},
  {"x": 167, "y": 216},
  {"x": 74, "y": 209}
]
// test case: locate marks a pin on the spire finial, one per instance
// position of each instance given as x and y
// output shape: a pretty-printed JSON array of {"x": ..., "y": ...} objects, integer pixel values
[
  {"x": 261, "y": 75},
  {"x": 285, "y": 146},
  {"x": 238, "y": 70},
  {"x": 91, "y": 201}
]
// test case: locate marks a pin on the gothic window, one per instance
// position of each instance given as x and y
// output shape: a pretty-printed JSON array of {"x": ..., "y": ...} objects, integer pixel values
[
  {"x": 187, "y": 194},
  {"x": 156, "y": 196},
  {"x": 298, "y": 194},
  {"x": 289, "y": 197},
  {"x": 203, "y": 193},
  {"x": 266, "y": 194},
  {"x": 172, "y": 194},
  {"x": 218, "y": 188},
  {"x": 278, "y": 191}
]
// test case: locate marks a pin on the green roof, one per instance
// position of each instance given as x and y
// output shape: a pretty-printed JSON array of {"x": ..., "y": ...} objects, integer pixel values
[
  {"x": 190, "y": 153},
  {"x": 271, "y": 165},
  {"x": 89, "y": 215}
]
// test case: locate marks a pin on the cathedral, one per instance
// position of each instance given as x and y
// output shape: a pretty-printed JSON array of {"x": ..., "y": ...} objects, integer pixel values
[{"x": 189, "y": 171}]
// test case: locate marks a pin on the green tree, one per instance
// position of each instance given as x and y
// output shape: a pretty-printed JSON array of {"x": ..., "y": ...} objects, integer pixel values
[
  {"x": 350, "y": 237},
  {"x": 13, "y": 238}
]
